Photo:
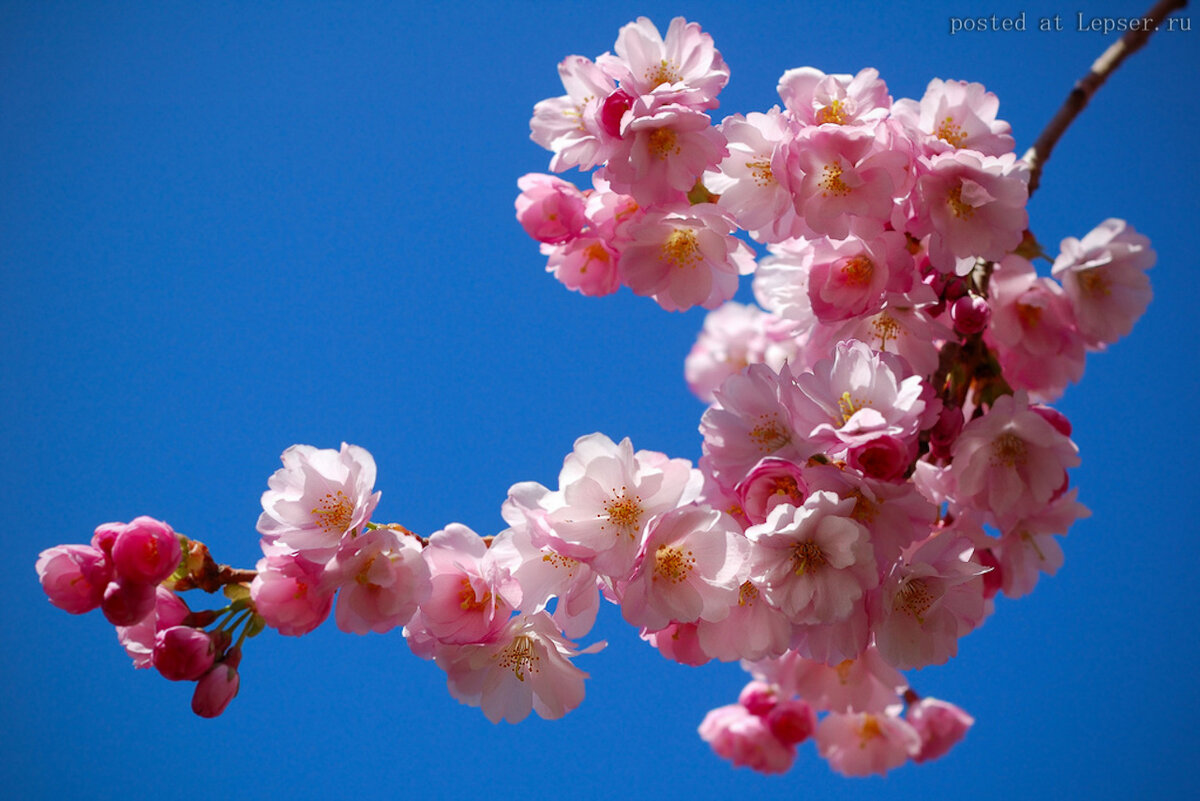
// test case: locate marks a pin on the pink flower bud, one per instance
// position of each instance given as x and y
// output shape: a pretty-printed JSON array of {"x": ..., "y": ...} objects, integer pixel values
[
  {"x": 183, "y": 653},
  {"x": 945, "y": 431},
  {"x": 74, "y": 577},
  {"x": 792, "y": 721},
  {"x": 745, "y": 740},
  {"x": 940, "y": 724},
  {"x": 613, "y": 110},
  {"x": 758, "y": 697},
  {"x": 550, "y": 209},
  {"x": 970, "y": 314},
  {"x": 217, "y": 687},
  {"x": 1052, "y": 416},
  {"x": 147, "y": 551},
  {"x": 127, "y": 602},
  {"x": 105, "y": 535},
  {"x": 885, "y": 457}
]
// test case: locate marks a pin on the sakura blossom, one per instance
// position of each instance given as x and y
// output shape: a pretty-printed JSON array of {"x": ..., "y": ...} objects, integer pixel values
[
  {"x": 865, "y": 743},
  {"x": 1104, "y": 275},
  {"x": 957, "y": 114},
  {"x": 814, "y": 98},
  {"x": 319, "y": 497}
]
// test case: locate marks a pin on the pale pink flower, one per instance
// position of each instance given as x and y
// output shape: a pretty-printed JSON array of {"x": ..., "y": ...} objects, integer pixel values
[
  {"x": 690, "y": 567},
  {"x": 781, "y": 282},
  {"x": 734, "y": 336},
  {"x": 814, "y": 562},
  {"x": 685, "y": 256},
  {"x": 926, "y": 604},
  {"x": 845, "y": 179},
  {"x": 1010, "y": 462},
  {"x": 525, "y": 667},
  {"x": 834, "y": 643},
  {"x": 957, "y": 114},
  {"x": 679, "y": 642},
  {"x": 683, "y": 67},
  {"x": 940, "y": 724},
  {"x": 471, "y": 595},
  {"x": 753, "y": 417},
  {"x": 972, "y": 206},
  {"x": 859, "y": 395},
  {"x": 850, "y": 277},
  {"x": 662, "y": 153},
  {"x": 1104, "y": 275},
  {"x": 382, "y": 577},
  {"x": 568, "y": 125},
  {"x": 550, "y": 209},
  {"x": 746, "y": 740},
  {"x": 545, "y": 574},
  {"x": 319, "y": 497},
  {"x": 608, "y": 493},
  {"x": 902, "y": 327},
  {"x": 586, "y": 264},
  {"x": 866, "y": 743},
  {"x": 749, "y": 178},
  {"x": 147, "y": 551},
  {"x": 138, "y": 639},
  {"x": 1033, "y": 330},
  {"x": 814, "y": 98},
  {"x": 1029, "y": 548},
  {"x": 770, "y": 483},
  {"x": 290, "y": 594},
  {"x": 74, "y": 577},
  {"x": 864, "y": 684}
]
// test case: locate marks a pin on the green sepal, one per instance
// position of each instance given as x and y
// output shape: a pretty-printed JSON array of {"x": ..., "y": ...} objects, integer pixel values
[{"x": 237, "y": 592}]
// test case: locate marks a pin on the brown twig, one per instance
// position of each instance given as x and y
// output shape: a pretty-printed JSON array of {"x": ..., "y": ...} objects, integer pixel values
[{"x": 1104, "y": 66}]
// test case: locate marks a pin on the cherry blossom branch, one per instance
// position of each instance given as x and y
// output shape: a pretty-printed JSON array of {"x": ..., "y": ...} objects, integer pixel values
[{"x": 1087, "y": 86}]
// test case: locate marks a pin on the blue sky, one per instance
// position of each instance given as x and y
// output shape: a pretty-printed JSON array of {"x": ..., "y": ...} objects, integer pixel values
[{"x": 226, "y": 228}]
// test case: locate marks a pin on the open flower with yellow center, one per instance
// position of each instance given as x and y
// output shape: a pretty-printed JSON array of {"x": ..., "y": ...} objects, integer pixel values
[{"x": 318, "y": 499}]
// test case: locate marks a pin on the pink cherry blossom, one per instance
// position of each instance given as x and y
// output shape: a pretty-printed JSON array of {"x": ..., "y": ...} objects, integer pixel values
[
  {"x": 864, "y": 684},
  {"x": 814, "y": 98},
  {"x": 471, "y": 595},
  {"x": 608, "y": 493},
  {"x": 929, "y": 602},
  {"x": 545, "y": 574},
  {"x": 859, "y": 395},
  {"x": 291, "y": 594},
  {"x": 940, "y": 724},
  {"x": 550, "y": 209},
  {"x": 752, "y": 179},
  {"x": 753, "y": 417},
  {"x": 1010, "y": 462},
  {"x": 814, "y": 561},
  {"x": 1104, "y": 275},
  {"x": 138, "y": 639},
  {"x": 850, "y": 278},
  {"x": 217, "y": 687},
  {"x": 682, "y": 67},
  {"x": 957, "y": 114},
  {"x": 866, "y": 743},
  {"x": 734, "y": 336},
  {"x": 526, "y": 667},
  {"x": 746, "y": 740},
  {"x": 569, "y": 125},
  {"x": 147, "y": 551},
  {"x": 663, "y": 152},
  {"x": 690, "y": 567},
  {"x": 1029, "y": 548},
  {"x": 183, "y": 653},
  {"x": 1033, "y": 330},
  {"x": 770, "y": 483},
  {"x": 74, "y": 577},
  {"x": 685, "y": 256},
  {"x": 972, "y": 206},
  {"x": 382, "y": 578},
  {"x": 845, "y": 178},
  {"x": 319, "y": 497},
  {"x": 127, "y": 602}
]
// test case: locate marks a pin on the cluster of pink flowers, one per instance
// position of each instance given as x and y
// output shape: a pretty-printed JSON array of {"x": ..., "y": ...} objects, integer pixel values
[{"x": 878, "y": 459}]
